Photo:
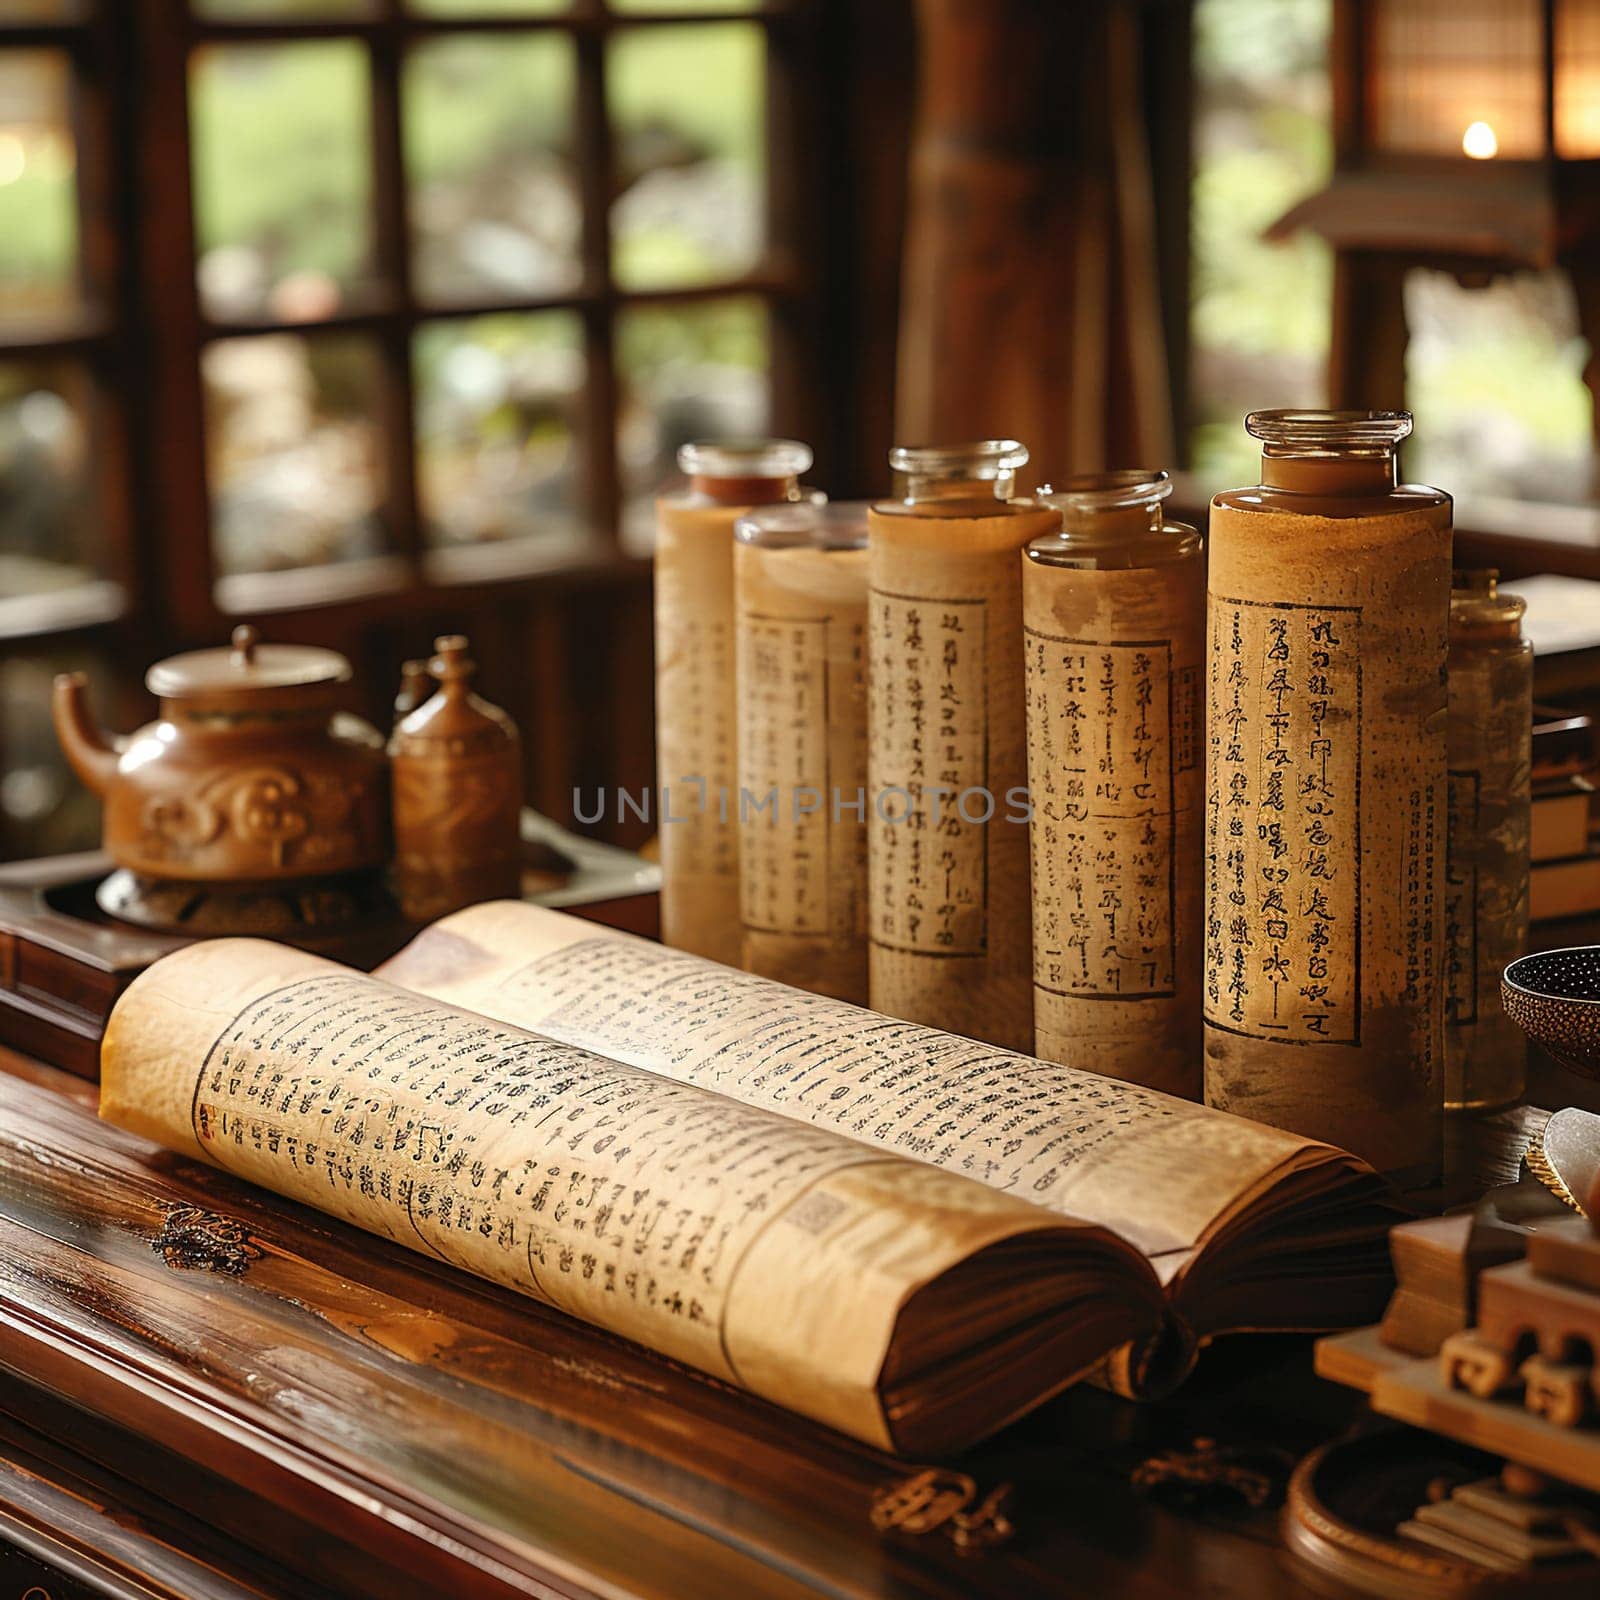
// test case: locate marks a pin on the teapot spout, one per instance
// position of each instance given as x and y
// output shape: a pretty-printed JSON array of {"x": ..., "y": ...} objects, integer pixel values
[{"x": 83, "y": 741}]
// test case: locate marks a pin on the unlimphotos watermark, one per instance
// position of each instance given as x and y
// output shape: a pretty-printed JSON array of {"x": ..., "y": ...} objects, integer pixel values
[{"x": 936, "y": 804}]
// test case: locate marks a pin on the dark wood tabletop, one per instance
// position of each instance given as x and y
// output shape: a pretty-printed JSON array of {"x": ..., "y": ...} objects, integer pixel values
[{"x": 345, "y": 1418}]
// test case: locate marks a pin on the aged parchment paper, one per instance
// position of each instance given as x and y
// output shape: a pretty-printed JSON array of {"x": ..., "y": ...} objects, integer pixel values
[
  {"x": 696, "y": 732},
  {"x": 1116, "y": 768},
  {"x": 760, "y": 1249},
  {"x": 949, "y": 920},
  {"x": 1325, "y": 826},
  {"x": 1157, "y": 1170},
  {"x": 802, "y": 734}
]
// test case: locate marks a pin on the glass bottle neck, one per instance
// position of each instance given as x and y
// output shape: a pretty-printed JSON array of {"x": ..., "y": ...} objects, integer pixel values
[
  {"x": 1356, "y": 474},
  {"x": 923, "y": 488}
]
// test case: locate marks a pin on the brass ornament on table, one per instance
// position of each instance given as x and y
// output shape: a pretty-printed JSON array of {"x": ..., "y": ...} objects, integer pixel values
[
  {"x": 249, "y": 805},
  {"x": 939, "y": 1500},
  {"x": 192, "y": 1238},
  {"x": 457, "y": 771}
]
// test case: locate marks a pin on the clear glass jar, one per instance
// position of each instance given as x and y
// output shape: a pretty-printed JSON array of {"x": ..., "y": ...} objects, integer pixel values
[
  {"x": 1114, "y": 644},
  {"x": 1326, "y": 803},
  {"x": 954, "y": 479},
  {"x": 800, "y": 578},
  {"x": 1111, "y": 520},
  {"x": 696, "y": 713},
  {"x": 950, "y": 920}
]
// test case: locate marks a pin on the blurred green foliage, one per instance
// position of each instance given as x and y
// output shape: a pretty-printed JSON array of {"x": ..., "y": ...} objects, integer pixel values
[
  {"x": 1259, "y": 312},
  {"x": 282, "y": 153}
]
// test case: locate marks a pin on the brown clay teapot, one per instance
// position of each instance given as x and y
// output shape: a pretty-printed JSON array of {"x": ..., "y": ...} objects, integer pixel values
[{"x": 247, "y": 775}]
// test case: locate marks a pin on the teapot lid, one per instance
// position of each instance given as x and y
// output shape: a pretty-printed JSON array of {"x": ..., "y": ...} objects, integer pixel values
[{"x": 250, "y": 675}]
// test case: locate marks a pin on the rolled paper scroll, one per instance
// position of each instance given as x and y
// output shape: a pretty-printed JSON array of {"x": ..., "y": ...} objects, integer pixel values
[
  {"x": 1326, "y": 792},
  {"x": 801, "y": 585},
  {"x": 950, "y": 925},
  {"x": 696, "y": 710},
  {"x": 1114, "y": 614}
]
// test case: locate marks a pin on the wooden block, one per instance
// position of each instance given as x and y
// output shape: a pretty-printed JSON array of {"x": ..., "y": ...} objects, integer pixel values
[
  {"x": 1416, "y": 1393},
  {"x": 1521, "y": 1543},
  {"x": 1513, "y": 1301},
  {"x": 1453, "y": 1544},
  {"x": 1487, "y": 1496},
  {"x": 1355, "y": 1359},
  {"x": 1567, "y": 1252},
  {"x": 1555, "y": 1389},
  {"x": 1468, "y": 1361}
]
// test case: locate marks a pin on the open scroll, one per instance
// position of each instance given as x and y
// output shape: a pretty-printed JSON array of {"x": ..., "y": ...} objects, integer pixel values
[
  {"x": 910, "y": 1307},
  {"x": 1247, "y": 1226}
]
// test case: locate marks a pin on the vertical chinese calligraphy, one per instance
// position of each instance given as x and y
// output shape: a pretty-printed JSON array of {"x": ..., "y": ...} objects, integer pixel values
[
  {"x": 930, "y": 717},
  {"x": 1283, "y": 823},
  {"x": 1102, "y": 719}
]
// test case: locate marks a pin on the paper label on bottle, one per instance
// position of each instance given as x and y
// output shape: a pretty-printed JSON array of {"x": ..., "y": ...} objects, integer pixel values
[
  {"x": 1283, "y": 823},
  {"x": 930, "y": 725}
]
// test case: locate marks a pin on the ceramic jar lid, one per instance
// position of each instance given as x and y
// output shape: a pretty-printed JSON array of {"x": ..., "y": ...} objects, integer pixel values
[{"x": 251, "y": 676}]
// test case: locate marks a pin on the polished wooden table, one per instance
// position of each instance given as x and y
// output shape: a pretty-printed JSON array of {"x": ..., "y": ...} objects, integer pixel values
[{"x": 341, "y": 1417}]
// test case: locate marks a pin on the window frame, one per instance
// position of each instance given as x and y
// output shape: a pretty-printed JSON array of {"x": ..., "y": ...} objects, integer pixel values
[{"x": 142, "y": 330}]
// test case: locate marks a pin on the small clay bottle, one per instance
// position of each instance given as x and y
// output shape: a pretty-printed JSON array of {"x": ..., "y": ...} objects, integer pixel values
[
  {"x": 457, "y": 767},
  {"x": 415, "y": 684}
]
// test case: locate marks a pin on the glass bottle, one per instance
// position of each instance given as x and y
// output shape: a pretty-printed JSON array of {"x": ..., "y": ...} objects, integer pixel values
[
  {"x": 696, "y": 753},
  {"x": 1486, "y": 875},
  {"x": 1114, "y": 620},
  {"x": 950, "y": 926},
  {"x": 1328, "y": 603},
  {"x": 800, "y": 578}
]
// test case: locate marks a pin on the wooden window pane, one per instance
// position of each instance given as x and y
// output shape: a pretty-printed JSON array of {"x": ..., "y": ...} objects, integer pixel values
[
  {"x": 494, "y": 199},
  {"x": 283, "y": 178},
  {"x": 48, "y": 538},
  {"x": 283, "y": 10},
  {"x": 295, "y": 458},
  {"x": 499, "y": 401},
  {"x": 687, "y": 372},
  {"x": 38, "y": 187},
  {"x": 488, "y": 8},
  {"x": 688, "y": 110},
  {"x": 44, "y": 810}
]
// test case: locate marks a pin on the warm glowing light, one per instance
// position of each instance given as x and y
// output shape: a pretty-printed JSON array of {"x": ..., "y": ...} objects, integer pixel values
[
  {"x": 13, "y": 158},
  {"x": 1479, "y": 142}
]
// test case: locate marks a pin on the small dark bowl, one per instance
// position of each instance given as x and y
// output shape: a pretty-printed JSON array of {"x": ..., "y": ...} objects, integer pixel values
[{"x": 1554, "y": 997}]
